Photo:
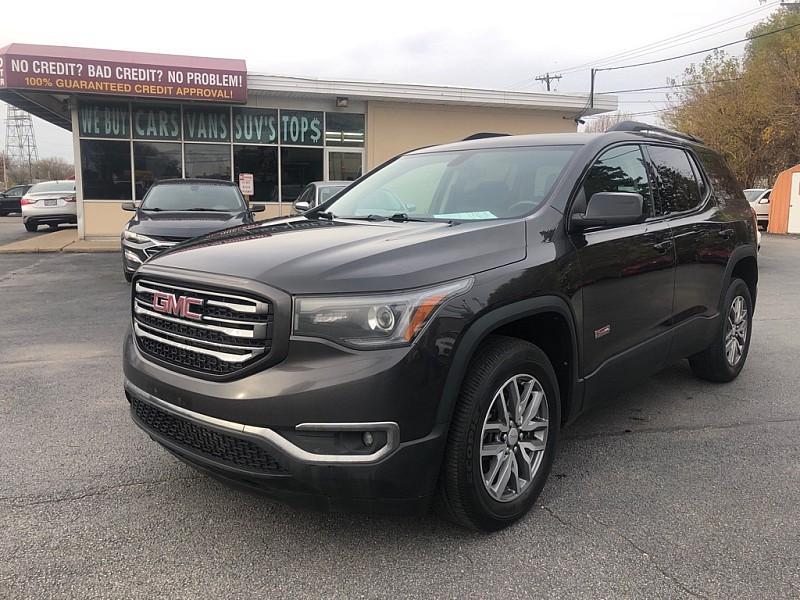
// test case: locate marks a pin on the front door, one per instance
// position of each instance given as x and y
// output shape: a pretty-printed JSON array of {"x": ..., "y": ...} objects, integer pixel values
[
  {"x": 344, "y": 165},
  {"x": 628, "y": 275}
]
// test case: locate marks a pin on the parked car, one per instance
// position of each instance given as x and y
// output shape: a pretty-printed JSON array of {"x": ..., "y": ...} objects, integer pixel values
[
  {"x": 175, "y": 210},
  {"x": 759, "y": 200},
  {"x": 49, "y": 203},
  {"x": 10, "y": 199},
  {"x": 315, "y": 193},
  {"x": 365, "y": 355}
]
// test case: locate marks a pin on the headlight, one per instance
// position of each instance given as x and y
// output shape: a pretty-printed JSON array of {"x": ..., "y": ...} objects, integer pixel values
[
  {"x": 390, "y": 319},
  {"x": 135, "y": 237}
]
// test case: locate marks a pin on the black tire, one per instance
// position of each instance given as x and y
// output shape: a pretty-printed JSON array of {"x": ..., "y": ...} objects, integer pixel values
[
  {"x": 31, "y": 226},
  {"x": 128, "y": 276},
  {"x": 712, "y": 363},
  {"x": 463, "y": 497},
  {"x": 4, "y": 213}
]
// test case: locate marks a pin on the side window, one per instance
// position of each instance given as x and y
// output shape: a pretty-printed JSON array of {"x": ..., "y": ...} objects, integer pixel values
[
  {"x": 678, "y": 188},
  {"x": 307, "y": 196},
  {"x": 620, "y": 169}
]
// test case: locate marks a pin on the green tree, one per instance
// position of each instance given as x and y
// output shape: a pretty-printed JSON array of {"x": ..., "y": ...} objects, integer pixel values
[{"x": 748, "y": 108}]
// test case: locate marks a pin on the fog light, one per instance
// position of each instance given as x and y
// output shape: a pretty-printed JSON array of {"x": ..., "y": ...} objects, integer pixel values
[{"x": 367, "y": 438}]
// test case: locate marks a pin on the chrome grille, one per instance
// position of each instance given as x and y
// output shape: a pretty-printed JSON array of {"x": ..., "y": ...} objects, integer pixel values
[{"x": 220, "y": 334}]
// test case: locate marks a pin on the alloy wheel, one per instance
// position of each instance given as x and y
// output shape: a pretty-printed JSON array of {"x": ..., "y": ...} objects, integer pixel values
[
  {"x": 736, "y": 331},
  {"x": 514, "y": 437}
]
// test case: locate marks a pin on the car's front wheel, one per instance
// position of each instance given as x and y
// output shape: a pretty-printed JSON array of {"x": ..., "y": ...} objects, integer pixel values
[{"x": 503, "y": 435}]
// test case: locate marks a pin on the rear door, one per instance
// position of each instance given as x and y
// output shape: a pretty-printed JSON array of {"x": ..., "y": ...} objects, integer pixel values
[
  {"x": 704, "y": 237},
  {"x": 627, "y": 278}
]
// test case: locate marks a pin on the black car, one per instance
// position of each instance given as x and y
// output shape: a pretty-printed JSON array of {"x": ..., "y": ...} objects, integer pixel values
[
  {"x": 366, "y": 355},
  {"x": 10, "y": 199},
  {"x": 176, "y": 210}
]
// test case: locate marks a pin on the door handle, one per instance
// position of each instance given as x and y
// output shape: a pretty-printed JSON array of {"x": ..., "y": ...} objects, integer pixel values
[
  {"x": 727, "y": 233},
  {"x": 663, "y": 246}
]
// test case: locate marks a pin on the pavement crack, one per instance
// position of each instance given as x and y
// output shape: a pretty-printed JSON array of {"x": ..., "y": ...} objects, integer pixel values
[
  {"x": 647, "y": 557},
  {"x": 17, "y": 500}
]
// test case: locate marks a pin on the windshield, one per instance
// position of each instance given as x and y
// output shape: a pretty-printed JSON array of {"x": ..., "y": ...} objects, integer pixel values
[
  {"x": 53, "y": 186},
  {"x": 460, "y": 185},
  {"x": 194, "y": 196},
  {"x": 753, "y": 194}
]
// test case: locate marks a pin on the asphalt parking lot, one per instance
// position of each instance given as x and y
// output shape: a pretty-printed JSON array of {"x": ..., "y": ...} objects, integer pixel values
[
  {"x": 677, "y": 489},
  {"x": 12, "y": 229}
]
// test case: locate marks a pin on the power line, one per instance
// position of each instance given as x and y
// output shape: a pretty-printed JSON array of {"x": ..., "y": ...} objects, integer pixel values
[
  {"x": 665, "y": 87},
  {"x": 548, "y": 78},
  {"x": 637, "y": 51},
  {"x": 705, "y": 51}
]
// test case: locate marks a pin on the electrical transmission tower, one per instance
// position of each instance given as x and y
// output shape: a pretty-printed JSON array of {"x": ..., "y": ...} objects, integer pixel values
[{"x": 20, "y": 140}]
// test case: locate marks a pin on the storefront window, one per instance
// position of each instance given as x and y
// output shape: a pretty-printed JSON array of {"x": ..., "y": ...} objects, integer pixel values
[
  {"x": 301, "y": 127},
  {"x": 156, "y": 122},
  {"x": 153, "y": 161},
  {"x": 262, "y": 162},
  {"x": 207, "y": 124},
  {"x": 299, "y": 167},
  {"x": 344, "y": 166},
  {"x": 344, "y": 129},
  {"x": 107, "y": 120},
  {"x": 255, "y": 126},
  {"x": 106, "y": 170},
  {"x": 212, "y": 161}
]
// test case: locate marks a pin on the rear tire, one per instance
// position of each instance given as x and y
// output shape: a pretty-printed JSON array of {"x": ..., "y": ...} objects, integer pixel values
[
  {"x": 496, "y": 464},
  {"x": 724, "y": 358},
  {"x": 31, "y": 226}
]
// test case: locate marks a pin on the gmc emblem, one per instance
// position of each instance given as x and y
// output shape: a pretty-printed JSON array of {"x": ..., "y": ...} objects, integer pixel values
[{"x": 179, "y": 306}]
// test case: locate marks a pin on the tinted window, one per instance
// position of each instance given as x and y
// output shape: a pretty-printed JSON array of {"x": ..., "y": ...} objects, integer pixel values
[
  {"x": 299, "y": 167},
  {"x": 194, "y": 196},
  {"x": 724, "y": 184},
  {"x": 677, "y": 184},
  {"x": 620, "y": 169},
  {"x": 15, "y": 192},
  {"x": 106, "y": 170},
  {"x": 210, "y": 161},
  {"x": 467, "y": 184},
  {"x": 262, "y": 162},
  {"x": 154, "y": 161}
]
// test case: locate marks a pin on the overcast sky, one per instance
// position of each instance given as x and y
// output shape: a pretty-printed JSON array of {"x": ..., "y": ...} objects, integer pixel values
[{"x": 494, "y": 44}]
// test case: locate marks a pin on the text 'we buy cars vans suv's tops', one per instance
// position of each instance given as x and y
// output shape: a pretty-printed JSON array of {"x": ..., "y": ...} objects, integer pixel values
[{"x": 429, "y": 330}]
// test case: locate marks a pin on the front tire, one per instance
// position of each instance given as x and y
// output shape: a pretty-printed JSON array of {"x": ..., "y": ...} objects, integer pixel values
[
  {"x": 503, "y": 435},
  {"x": 724, "y": 358}
]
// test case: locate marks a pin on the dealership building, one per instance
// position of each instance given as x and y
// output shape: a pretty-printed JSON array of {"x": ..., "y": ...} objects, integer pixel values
[{"x": 139, "y": 117}]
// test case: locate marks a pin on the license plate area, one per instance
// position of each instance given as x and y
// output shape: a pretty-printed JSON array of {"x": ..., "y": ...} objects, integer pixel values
[{"x": 51, "y": 202}]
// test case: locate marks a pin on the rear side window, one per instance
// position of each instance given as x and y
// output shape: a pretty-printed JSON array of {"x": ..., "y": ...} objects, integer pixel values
[
  {"x": 726, "y": 188},
  {"x": 678, "y": 186},
  {"x": 620, "y": 169}
]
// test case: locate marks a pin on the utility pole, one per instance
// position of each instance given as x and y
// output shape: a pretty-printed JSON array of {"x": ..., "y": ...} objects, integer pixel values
[{"x": 547, "y": 79}]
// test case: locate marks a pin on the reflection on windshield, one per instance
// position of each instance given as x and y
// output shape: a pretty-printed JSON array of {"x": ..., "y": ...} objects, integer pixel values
[
  {"x": 194, "y": 196},
  {"x": 489, "y": 183}
]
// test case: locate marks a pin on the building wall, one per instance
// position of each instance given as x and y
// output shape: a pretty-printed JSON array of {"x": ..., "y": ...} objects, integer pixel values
[
  {"x": 395, "y": 127},
  {"x": 780, "y": 201}
]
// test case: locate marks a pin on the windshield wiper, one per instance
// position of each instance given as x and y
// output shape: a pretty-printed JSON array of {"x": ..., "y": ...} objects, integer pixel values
[
  {"x": 201, "y": 209},
  {"x": 155, "y": 209},
  {"x": 320, "y": 215},
  {"x": 397, "y": 218}
]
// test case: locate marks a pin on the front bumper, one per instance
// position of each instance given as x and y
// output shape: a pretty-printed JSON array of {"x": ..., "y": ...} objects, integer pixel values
[{"x": 315, "y": 391}]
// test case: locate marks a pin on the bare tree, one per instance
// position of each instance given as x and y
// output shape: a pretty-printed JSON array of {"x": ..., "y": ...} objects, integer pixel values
[{"x": 602, "y": 122}]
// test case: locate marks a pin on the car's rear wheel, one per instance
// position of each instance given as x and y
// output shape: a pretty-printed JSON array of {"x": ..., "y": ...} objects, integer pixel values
[
  {"x": 31, "y": 226},
  {"x": 503, "y": 436},
  {"x": 724, "y": 358}
]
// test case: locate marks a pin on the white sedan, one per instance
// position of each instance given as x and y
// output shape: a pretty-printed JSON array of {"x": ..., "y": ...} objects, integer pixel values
[{"x": 49, "y": 203}]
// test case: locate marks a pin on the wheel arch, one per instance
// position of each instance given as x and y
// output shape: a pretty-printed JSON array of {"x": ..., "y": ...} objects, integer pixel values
[
  {"x": 530, "y": 320},
  {"x": 743, "y": 264}
]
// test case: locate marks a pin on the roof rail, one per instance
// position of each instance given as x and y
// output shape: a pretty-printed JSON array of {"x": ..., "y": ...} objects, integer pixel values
[
  {"x": 638, "y": 126},
  {"x": 481, "y": 136}
]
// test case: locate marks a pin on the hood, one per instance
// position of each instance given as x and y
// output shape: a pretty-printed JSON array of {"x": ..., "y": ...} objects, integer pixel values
[
  {"x": 304, "y": 256},
  {"x": 184, "y": 224}
]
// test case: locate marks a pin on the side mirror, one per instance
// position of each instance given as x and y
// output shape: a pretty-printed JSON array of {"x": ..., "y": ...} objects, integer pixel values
[
  {"x": 764, "y": 200},
  {"x": 301, "y": 206},
  {"x": 129, "y": 206},
  {"x": 611, "y": 209},
  {"x": 254, "y": 208}
]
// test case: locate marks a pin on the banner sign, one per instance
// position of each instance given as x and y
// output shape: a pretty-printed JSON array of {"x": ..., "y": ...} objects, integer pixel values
[{"x": 108, "y": 72}]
